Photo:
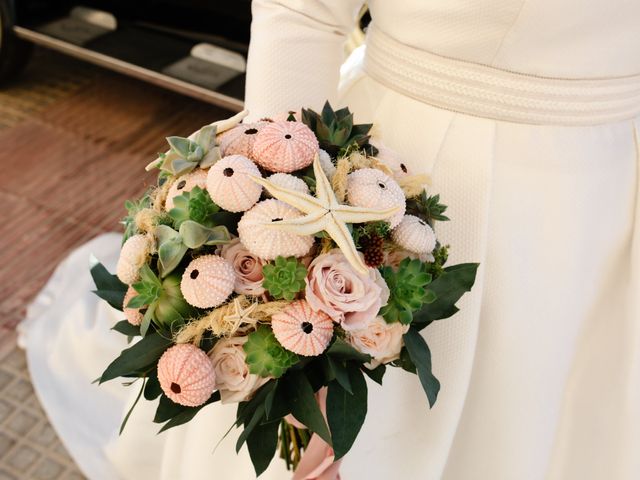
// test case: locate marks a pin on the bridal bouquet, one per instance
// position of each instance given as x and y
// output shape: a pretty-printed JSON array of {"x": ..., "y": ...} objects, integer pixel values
[{"x": 275, "y": 265}]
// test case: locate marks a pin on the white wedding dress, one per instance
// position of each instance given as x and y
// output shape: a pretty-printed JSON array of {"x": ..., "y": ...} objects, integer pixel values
[{"x": 526, "y": 113}]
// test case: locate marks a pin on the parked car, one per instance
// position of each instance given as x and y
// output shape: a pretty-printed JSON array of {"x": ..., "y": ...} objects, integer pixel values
[{"x": 196, "y": 47}]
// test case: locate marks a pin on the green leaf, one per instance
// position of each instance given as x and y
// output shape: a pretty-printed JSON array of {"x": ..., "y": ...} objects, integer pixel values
[
  {"x": 377, "y": 373},
  {"x": 167, "y": 409},
  {"x": 339, "y": 372},
  {"x": 108, "y": 286},
  {"x": 454, "y": 282},
  {"x": 303, "y": 404},
  {"x": 421, "y": 356},
  {"x": 126, "y": 417},
  {"x": 137, "y": 358},
  {"x": 188, "y": 413},
  {"x": 343, "y": 351},
  {"x": 262, "y": 444},
  {"x": 126, "y": 328},
  {"x": 265, "y": 356},
  {"x": 153, "y": 389},
  {"x": 256, "y": 418},
  {"x": 346, "y": 411}
]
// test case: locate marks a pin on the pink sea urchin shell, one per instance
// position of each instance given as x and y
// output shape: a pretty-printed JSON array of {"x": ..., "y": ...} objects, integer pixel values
[
  {"x": 415, "y": 235},
  {"x": 186, "y": 375},
  {"x": 372, "y": 188},
  {"x": 133, "y": 315},
  {"x": 230, "y": 185},
  {"x": 133, "y": 255},
  {"x": 240, "y": 139},
  {"x": 267, "y": 242},
  {"x": 208, "y": 281},
  {"x": 289, "y": 181},
  {"x": 285, "y": 146},
  {"x": 301, "y": 330},
  {"x": 185, "y": 183}
]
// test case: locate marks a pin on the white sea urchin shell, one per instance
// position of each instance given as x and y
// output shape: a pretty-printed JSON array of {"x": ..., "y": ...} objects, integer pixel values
[
  {"x": 269, "y": 243},
  {"x": 415, "y": 235},
  {"x": 230, "y": 185},
  {"x": 208, "y": 281},
  {"x": 326, "y": 163},
  {"x": 291, "y": 182},
  {"x": 372, "y": 188},
  {"x": 133, "y": 255}
]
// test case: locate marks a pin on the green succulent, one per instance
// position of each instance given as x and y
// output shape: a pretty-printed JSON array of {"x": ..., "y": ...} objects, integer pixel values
[
  {"x": 265, "y": 356},
  {"x": 408, "y": 292},
  {"x": 165, "y": 306},
  {"x": 427, "y": 207},
  {"x": 133, "y": 207},
  {"x": 284, "y": 278},
  {"x": 195, "y": 205},
  {"x": 186, "y": 154},
  {"x": 335, "y": 130}
]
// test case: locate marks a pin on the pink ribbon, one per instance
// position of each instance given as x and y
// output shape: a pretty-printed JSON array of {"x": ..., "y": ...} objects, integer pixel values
[{"x": 317, "y": 462}]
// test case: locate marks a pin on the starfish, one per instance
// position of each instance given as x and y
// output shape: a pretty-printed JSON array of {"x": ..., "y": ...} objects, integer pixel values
[
  {"x": 240, "y": 316},
  {"x": 324, "y": 213}
]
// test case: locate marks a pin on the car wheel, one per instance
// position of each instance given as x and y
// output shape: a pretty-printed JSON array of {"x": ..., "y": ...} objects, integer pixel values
[{"x": 14, "y": 52}]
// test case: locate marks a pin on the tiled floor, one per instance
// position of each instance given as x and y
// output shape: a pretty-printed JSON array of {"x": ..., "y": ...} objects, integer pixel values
[{"x": 29, "y": 448}]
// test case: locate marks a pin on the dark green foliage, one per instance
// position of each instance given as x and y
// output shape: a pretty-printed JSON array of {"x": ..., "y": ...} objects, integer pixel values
[
  {"x": 454, "y": 282},
  {"x": 346, "y": 410},
  {"x": 440, "y": 257},
  {"x": 421, "y": 357},
  {"x": 335, "y": 130},
  {"x": 407, "y": 286},
  {"x": 126, "y": 328},
  {"x": 108, "y": 286},
  {"x": 284, "y": 278},
  {"x": 138, "y": 359}
]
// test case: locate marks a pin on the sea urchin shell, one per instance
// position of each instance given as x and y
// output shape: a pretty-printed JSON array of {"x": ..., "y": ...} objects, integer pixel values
[
  {"x": 240, "y": 139},
  {"x": 185, "y": 183},
  {"x": 186, "y": 375},
  {"x": 285, "y": 146},
  {"x": 372, "y": 188},
  {"x": 230, "y": 185},
  {"x": 133, "y": 315},
  {"x": 291, "y": 182},
  {"x": 415, "y": 235},
  {"x": 301, "y": 330},
  {"x": 133, "y": 255},
  {"x": 269, "y": 243},
  {"x": 208, "y": 281}
]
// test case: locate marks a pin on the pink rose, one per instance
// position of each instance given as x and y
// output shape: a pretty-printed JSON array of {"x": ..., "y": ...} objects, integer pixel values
[
  {"x": 248, "y": 268},
  {"x": 381, "y": 340},
  {"x": 233, "y": 379},
  {"x": 336, "y": 288}
]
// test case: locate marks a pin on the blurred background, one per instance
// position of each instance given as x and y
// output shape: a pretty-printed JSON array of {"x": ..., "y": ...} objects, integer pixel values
[{"x": 88, "y": 92}]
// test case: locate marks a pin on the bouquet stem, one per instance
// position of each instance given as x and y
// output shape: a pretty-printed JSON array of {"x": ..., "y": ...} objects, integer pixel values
[{"x": 293, "y": 441}]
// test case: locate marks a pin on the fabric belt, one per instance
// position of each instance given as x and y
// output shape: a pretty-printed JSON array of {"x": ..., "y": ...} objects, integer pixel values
[{"x": 489, "y": 92}]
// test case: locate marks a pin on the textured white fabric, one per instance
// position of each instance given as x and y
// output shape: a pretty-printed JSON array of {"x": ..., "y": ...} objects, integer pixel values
[{"x": 540, "y": 370}]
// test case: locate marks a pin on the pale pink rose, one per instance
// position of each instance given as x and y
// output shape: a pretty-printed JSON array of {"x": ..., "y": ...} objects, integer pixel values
[
  {"x": 248, "y": 268},
  {"x": 382, "y": 340},
  {"x": 233, "y": 379},
  {"x": 348, "y": 297}
]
